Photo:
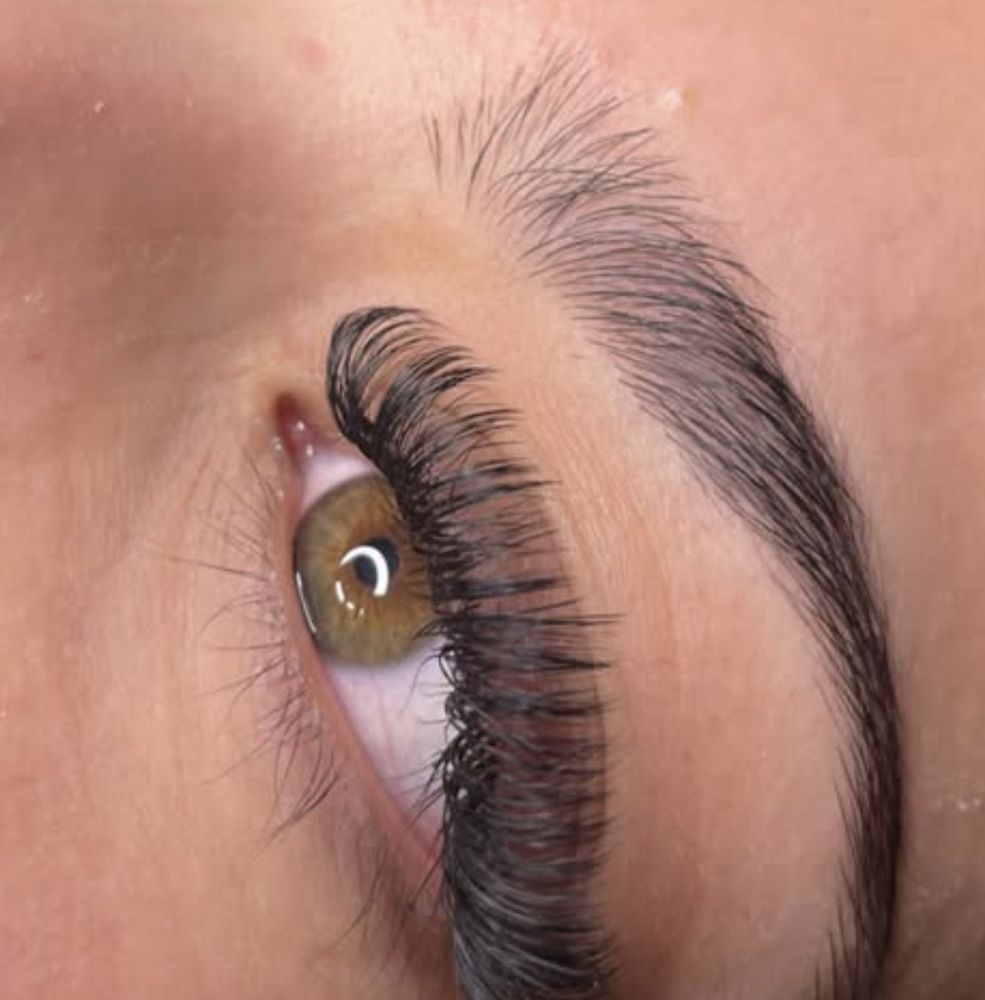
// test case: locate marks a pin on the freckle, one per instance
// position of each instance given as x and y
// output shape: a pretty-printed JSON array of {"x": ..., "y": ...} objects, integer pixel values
[{"x": 308, "y": 54}]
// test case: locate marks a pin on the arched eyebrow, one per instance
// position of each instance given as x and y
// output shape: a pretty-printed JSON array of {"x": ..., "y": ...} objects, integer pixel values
[{"x": 589, "y": 209}]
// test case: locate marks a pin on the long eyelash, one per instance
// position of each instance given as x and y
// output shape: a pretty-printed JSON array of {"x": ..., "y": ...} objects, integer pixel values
[{"x": 522, "y": 775}]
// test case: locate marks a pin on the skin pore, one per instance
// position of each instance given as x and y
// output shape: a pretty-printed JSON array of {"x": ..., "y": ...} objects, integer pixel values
[{"x": 191, "y": 195}]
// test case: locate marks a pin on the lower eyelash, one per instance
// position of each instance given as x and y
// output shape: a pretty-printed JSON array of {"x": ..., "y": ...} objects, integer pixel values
[
  {"x": 244, "y": 515},
  {"x": 288, "y": 726}
]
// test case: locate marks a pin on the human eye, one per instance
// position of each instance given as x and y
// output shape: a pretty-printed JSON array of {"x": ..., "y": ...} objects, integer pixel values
[
  {"x": 428, "y": 577},
  {"x": 364, "y": 598}
]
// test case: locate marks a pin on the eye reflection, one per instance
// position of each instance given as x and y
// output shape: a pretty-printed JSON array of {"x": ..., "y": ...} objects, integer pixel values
[{"x": 361, "y": 585}]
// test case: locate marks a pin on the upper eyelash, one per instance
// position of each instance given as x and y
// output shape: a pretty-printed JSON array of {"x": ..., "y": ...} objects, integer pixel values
[{"x": 522, "y": 775}]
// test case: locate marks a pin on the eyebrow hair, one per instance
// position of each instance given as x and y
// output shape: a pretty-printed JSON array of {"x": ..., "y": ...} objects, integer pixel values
[{"x": 589, "y": 209}]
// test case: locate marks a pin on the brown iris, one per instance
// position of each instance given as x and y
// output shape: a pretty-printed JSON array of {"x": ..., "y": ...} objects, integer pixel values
[{"x": 360, "y": 583}]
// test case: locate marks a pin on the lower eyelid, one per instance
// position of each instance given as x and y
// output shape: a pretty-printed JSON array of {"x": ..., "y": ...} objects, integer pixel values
[{"x": 317, "y": 771}]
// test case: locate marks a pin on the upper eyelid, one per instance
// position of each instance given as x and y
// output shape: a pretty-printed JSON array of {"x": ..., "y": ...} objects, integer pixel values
[{"x": 527, "y": 710}]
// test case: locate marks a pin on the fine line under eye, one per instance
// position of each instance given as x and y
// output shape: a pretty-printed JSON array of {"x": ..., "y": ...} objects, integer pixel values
[{"x": 522, "y": 769}]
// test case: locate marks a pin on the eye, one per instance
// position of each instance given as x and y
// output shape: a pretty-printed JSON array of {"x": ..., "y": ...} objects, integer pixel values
[
  {"x": 363, "y": 593},
  {"x": 362, "y": 587}
]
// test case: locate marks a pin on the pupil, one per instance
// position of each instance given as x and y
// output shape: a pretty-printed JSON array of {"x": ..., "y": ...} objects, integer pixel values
[{"x": 365, "y": 568}]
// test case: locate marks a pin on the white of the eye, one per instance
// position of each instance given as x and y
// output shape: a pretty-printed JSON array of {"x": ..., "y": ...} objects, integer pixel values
[{"x": 379, "y": 562}]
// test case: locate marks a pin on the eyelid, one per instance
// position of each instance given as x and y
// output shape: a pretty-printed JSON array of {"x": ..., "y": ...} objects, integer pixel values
[{"x": 526, "y": 747}]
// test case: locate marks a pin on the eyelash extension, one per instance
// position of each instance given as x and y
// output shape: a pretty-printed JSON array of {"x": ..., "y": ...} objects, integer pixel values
[{"x": 522, "y": 773}]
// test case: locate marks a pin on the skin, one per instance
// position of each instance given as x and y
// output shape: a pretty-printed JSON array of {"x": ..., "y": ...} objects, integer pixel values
[{"x": 190, "y": 195}]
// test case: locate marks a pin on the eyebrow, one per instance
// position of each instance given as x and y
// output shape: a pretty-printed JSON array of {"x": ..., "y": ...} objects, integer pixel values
[{"x": 592, "y": 211}]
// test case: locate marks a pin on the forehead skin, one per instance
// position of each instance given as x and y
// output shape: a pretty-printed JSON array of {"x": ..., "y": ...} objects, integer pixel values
[{"x": 179, "y": 183}]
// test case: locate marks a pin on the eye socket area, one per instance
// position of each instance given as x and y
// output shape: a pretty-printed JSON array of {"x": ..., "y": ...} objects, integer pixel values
[{"x": 363, "y": 596}]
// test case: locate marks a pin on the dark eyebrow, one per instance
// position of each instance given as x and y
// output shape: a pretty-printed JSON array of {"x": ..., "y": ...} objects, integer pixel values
[{"x": 591, "y": 211}]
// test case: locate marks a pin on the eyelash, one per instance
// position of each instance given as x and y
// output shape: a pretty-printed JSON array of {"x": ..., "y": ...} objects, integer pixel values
[
  {"x": 522, "y": 772},
  {"x": 250, "y": 516},
  {"x": 245, "y": 519}
]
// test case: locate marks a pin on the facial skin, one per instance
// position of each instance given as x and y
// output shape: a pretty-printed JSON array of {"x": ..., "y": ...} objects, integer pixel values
[{"x": 190, "y": 196}]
